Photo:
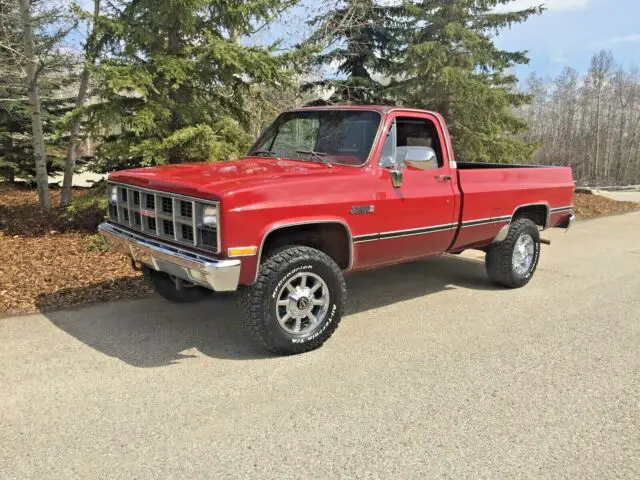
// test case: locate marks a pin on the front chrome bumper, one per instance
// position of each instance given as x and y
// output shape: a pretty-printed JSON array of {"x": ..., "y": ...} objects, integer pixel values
[{"x": 218, "y": 275}]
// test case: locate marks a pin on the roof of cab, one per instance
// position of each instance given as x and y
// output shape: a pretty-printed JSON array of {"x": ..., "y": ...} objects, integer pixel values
[{"x": 383, "y": 109}]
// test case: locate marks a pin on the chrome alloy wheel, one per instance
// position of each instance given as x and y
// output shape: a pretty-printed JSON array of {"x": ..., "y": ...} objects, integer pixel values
[
  {"x": 523, "y": 254},
  {"x": 302, "y": 303}
]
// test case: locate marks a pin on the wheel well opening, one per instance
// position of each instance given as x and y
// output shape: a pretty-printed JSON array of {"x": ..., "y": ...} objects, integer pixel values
[
  {"x": 536, "y": 213},
  {"x": 330, "y": 238}
]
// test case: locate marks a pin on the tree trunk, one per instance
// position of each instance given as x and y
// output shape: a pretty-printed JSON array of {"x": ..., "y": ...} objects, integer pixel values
[
  {"x": 632, "y": 146},
  {"x": 90, "y": 58},
  {"x": 7, "y": 147},
  {"x": 598, "y": 104},
  {"x": 42, "y": 178},
  {"x": 234, "y": 35},
  {"x": 620, "y": 142}
]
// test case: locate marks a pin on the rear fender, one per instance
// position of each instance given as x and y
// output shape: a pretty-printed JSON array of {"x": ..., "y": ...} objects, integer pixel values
[{"x": 521, "y": 211}]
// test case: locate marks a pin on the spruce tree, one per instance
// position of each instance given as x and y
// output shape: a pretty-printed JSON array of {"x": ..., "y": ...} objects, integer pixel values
[
  {"x": 358, "y": 38},
  {"x": 176, "y": 82},
  {"x": 451, "y": 64},
  {"x": 14, "y": 107}
]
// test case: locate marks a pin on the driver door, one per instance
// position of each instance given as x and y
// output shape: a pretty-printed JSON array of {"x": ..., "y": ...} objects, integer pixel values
[{"x": 416, "y": 218}]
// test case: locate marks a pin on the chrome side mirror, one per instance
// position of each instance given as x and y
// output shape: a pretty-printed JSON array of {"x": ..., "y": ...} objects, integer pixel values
[
  {"x": 421, "y": 158},
  {"x": 388, "y": 158},
  {"x": 396, "y": 177}
]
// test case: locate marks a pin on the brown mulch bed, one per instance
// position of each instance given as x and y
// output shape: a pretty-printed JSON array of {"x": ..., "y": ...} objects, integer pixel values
[
  {"x": 45, "y": 265},
  {"x": 591, "y": 206}
]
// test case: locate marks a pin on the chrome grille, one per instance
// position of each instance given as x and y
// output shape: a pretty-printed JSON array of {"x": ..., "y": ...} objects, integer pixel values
[
  {"x": 164, "y": 215},
  {"x": 187, "y": 233},
  {"x": 186, "y": 210},
  {"x": 167, "y": 205}
]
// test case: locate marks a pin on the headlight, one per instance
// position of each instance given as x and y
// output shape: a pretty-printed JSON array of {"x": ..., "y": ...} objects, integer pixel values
[
  {"x": 113, "y": 193},
  {"x": 210, "y": 216}
]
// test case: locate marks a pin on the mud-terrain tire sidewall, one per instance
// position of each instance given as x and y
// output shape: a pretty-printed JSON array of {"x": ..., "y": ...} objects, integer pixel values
[
  {"x": 166, "y": 288},
  {"x": 499, "y": 259},
  {"x": 259, "y": 301}
]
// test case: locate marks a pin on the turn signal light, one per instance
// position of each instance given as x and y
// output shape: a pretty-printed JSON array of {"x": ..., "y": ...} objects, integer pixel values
[{"x": 242, "y": 251}]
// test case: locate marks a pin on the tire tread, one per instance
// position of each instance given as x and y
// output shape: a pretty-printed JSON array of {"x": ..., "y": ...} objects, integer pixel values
[
  {"x": 498, "y": 261},
  {"x": 254, "y": 297}
]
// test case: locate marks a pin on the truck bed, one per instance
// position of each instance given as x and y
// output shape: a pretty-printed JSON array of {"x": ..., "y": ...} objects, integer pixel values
[{"x": 491, "y": 193}]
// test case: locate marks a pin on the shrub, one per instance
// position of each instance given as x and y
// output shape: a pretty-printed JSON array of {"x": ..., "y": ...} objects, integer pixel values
[
  {"x": 95, "y": 243},
  {"x": 87, "y": 211}
]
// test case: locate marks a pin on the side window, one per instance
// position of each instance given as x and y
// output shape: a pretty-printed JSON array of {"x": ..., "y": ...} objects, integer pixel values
[
  {"x": 296, "y": 134},
  {"x": 416, "y": 133}
]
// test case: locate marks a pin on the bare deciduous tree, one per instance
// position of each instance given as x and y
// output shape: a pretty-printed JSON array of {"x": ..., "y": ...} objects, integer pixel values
[
  {"x": 32, "y": 67},
  {"x": 590, "y": 122},
  {"x": 91, "y": 54}
]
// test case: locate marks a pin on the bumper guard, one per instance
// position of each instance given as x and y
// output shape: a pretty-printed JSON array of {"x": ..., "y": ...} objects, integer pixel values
[{"x": 218, "y": 275}]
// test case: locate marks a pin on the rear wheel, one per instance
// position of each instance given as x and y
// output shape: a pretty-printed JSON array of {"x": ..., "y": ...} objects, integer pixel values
[
  {"x": 297, "y": 301},
  {"x": 512, "y": 262},
  {"x": 167, "y": 287}
]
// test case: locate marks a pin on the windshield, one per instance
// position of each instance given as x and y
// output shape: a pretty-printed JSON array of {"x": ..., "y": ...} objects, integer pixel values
[{"x": 330, "y": 136}]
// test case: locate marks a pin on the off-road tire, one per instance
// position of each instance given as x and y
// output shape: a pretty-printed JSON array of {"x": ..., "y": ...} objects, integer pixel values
[
  {"x": 166, "y": 288},
  {"x": 499, "y": 258},
  {"x": 258, "y": 301}
]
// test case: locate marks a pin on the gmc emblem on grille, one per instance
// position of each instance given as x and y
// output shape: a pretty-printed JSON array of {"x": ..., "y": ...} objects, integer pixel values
[{"x": 147, "y": 213}]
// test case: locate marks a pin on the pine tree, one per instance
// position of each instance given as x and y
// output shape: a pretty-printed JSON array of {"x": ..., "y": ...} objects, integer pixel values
[
  {"x": 14, "y": 115},
  {"x": 452, "y": 65},
  {"x": 175, "y": 82},
  {"x": 358, "y": 37}
]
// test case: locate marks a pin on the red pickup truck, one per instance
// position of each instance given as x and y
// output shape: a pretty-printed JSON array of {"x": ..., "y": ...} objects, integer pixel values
[{"x": 324, "y": 191}]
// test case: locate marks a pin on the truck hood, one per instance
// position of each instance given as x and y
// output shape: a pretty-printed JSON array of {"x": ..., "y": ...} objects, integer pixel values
[{"x": 222, "y": 179}]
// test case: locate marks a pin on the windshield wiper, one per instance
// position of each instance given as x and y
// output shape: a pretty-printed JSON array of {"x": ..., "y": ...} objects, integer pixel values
[
  {"x": 260, "y": 153},
  {"x": 317, "y": 155}
]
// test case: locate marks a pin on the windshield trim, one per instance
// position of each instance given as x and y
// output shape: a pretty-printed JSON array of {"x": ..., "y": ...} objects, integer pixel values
[{"x": 374, "y": 144}]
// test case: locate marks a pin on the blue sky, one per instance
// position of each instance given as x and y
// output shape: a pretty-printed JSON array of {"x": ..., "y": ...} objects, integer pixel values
[
  {"x": 571, "y": 31},
  {"x": 568, "y": 33}
]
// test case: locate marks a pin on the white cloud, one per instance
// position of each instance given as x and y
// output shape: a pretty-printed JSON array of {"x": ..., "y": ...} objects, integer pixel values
[
  {"x": 548, "y": 4},
  {"x": 634, "y": 37}
]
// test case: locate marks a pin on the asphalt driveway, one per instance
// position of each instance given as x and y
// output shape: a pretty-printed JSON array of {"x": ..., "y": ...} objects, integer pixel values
[{"x": 434, "y": 373}]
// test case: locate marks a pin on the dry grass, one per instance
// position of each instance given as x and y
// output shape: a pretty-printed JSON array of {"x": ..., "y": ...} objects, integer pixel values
[
  {"x": 44, "y": 263},
  {"x": 591, "y": 206}
]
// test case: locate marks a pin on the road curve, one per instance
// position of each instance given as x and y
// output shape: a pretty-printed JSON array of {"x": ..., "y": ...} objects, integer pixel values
[{"x": 434, "y": 373}]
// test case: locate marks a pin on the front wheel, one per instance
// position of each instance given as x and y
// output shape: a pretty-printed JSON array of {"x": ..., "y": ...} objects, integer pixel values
[
  {"x": 512, "y": 262},
  {"x": 297, "y": 301}
]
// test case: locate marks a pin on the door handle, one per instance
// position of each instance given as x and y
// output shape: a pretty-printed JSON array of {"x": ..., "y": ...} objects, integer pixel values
[{"x": 443, "y": 178}]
